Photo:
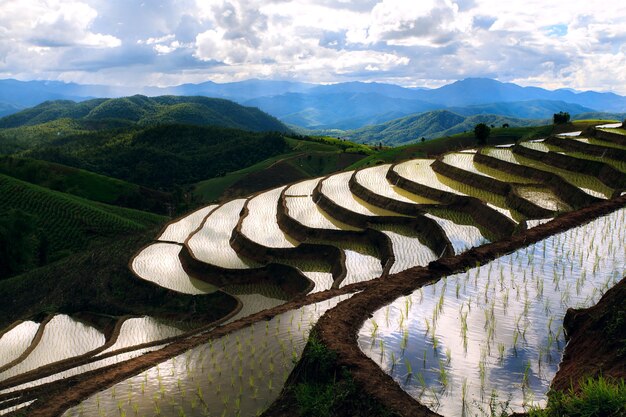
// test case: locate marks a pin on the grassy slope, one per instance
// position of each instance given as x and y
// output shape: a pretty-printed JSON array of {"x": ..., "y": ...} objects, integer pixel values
[
  {"x": 308, "y": 158},
  {"x": 71, "y": 223},
  {"x": 84, "y": 184},
  {"x": 161, "y": 157}
]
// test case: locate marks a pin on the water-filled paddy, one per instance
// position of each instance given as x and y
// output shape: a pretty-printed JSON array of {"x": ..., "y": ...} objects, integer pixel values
[
  {"x": 336, "y": 188},
  {"x": 210, "y": 244},
  {"x": 374, "y": 179},
  {"x": 495, "y": 331},
  {"x": 239, "y": 374},
  {"x": 14, "y": 342},
  {"x": 159, "y": 263},
  {"x": 180, "y": 230}
]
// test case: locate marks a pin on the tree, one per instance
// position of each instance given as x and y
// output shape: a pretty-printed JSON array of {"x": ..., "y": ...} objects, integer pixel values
[
  {"x": 505, "y": 125},
  {"x": 20, "y": 245},
  {"x": 482, "y": 132},
  {"x": 423, "y": 139},
  {"x": 560, "y": 118}
]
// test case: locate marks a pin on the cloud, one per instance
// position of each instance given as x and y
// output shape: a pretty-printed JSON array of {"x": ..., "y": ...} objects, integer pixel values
[
  {"x": 52, "y": 24},
  {"x": 429, "y": 42}
]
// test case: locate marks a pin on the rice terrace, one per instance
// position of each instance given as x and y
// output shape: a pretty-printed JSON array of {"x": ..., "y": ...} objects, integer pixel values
[
  {"x": 312, "y": 208},
  {"x": 419, "y": 287}
]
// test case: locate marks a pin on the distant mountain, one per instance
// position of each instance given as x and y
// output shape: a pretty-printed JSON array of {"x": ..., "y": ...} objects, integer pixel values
[
  {"x": 6, "y": 109},
  {"x": 387, "y": 90},
  {"x": 471, "y": 91},
  {"x": 355, "y": 103},
  {"x": 428, "y": 125},
  {"x": 23, "y": 94},
  {"x": 238, "y": 91},
  {"x": 147, "y": 111},
  {"x": 344, "y": 110},
  {"x": 600, "y": 116},
  {"x": 530, "y": 109}
]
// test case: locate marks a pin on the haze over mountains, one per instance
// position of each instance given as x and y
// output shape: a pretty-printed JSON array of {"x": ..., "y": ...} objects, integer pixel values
[{"x": 361, "y": 111}]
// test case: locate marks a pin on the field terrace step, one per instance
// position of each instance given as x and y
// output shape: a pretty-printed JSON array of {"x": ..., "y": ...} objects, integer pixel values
[
  {"x": 179, "y": 230},
  {"x": 130, "y": 337},
  {"x": 619, "y": 165},
  {"x": 609, "y": 135},
  {"x": 460, "y": 167},
  {"x": 371, "y": 185},
  {"x": 505, "y": 159},
  {"x": 302, "y": 218},
  {"x": 335, "y": 197},
  {"x": 208, "y": 255},
  {"x": 418, "y": 177},
  {"x": 160, "y": 264},
  {"x": 257, "y": 235},
  {"x": 299, "y": 216},
  {"x": 589, "y": 184},
  {"x": 607, "y": 174},
  {"x": 78, "y": 339},
  {"x": 15, "y": 340},
  {"x": 590, "y": 146}
]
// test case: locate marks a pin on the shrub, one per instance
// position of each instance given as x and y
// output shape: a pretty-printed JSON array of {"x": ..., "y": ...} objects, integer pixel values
[
  {"x": 597, "y": 397},
  {"x": 482, "y": 132},
  {"x": 560, "y": 118}
]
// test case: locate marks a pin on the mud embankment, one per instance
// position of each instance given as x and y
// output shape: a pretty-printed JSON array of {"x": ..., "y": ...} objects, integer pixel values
[{"x": 608, "y": 175}]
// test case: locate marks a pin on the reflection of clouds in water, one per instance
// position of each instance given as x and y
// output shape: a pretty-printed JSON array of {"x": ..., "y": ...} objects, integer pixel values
[
  {"x": 240, "y": 373},
  {"x": 500, "y": 324}
]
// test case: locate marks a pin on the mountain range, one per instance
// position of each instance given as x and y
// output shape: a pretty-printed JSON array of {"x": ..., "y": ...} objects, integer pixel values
[
  {"x": 362, "y": 112},
  {"x": 344, "y": 105}
]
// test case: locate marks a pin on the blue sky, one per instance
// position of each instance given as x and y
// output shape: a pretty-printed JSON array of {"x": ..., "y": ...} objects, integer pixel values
[{"x": 553, "y": 44}]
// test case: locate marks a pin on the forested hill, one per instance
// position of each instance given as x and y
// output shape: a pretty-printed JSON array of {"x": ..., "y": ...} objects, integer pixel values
[
  {"x": 429, "y": 125},
  {"x": 148, "y": 111},
  {"x": 161, "y": 156}
]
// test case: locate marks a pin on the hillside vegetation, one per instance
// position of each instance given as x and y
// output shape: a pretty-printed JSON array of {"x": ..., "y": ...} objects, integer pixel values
[
  {"x": 146, "y": 111},
  {"x": 428, "y": 125},
  {"x": 38, "y": 225},
  {"x": 162, "y": 156},
  {"x": 85, "y": 184}
]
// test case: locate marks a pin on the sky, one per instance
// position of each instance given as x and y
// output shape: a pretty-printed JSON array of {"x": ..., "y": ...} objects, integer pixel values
[{"x": 414, "y": 43}]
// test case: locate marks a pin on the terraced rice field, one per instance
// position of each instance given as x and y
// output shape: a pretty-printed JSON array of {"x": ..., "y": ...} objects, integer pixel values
[
  {"x": 336, "y": 188},
  {"x": 180, "y": 230},
  {"x": 210, "y": 244},
  {"x": 374, "y": 180},
  {"x": 586, "y": 183},
  {"x": 494, "y": 330},
  {"x": 159, "y": 263},
  {"x": 237, "y": 375}
]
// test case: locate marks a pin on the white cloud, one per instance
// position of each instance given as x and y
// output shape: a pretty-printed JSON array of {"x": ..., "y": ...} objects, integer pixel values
[{"x": 427, "y": 42}]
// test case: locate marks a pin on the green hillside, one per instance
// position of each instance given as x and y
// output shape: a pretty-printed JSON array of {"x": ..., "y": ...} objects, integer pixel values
[
  {"x": 306, "y": 157},
  {"x": 428, "y": 125},
  {"x": 162, "y": 156},
  {"x": 38, "y": 225},
  {"x": 149, "y": 111},
  {"x": 85, "y": 184}
]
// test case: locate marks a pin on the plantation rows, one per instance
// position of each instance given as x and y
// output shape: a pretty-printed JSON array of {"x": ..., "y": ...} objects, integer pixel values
[{"x": 68, "y": 223}]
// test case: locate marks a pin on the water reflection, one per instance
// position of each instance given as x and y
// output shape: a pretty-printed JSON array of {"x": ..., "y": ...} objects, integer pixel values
[{"x": 492, "y": 336}]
